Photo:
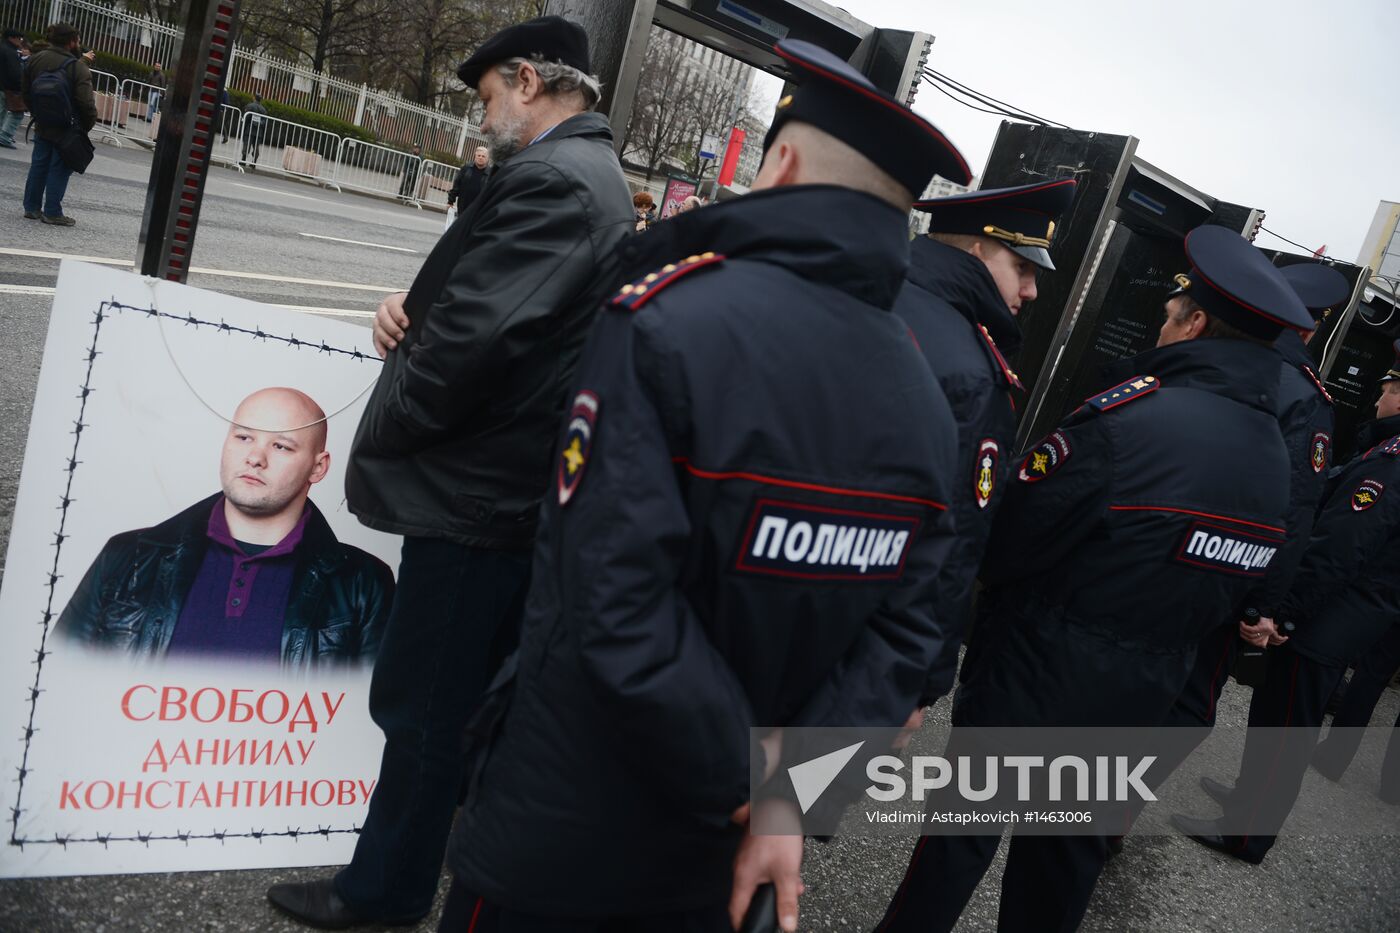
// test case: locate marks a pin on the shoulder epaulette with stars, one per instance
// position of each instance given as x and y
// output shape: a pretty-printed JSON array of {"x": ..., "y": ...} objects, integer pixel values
[
  {"x": 1308, "y": 371},
  {"x": 638, "y": 293},
  {"x": 1136, "y": 387},
  {"x": 1391, "y": 447},
  {"x": 1006, "y": 370}
]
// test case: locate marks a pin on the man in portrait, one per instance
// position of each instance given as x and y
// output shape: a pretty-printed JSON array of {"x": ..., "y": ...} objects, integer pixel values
[{"x": 252, "y": 572}]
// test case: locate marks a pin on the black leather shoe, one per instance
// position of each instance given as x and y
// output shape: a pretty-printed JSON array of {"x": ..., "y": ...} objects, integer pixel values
[
  {"x": 1218, "y": 791},
  {"x": 315, "y": 903},
  {"x": 1207, "y": 833}
]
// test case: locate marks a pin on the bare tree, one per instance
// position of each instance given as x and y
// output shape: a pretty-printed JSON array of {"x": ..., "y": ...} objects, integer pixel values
[
  {"x": 314, "y": 31},
  {"x": 663, "y": 108}
]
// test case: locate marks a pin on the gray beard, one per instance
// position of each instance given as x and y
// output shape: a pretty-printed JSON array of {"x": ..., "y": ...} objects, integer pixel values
[{"x": 505, "y": 140}]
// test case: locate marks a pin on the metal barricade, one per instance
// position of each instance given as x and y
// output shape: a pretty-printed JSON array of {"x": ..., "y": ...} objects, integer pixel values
[
  {"x": 362, "y": 166},
  {"x": 436, "y": 181},
  {"x": 270, "y": 144},
  {"x": 228, "y": 135},
  {"x": 106, "y": 94},
  {"x": 138, "y": 109}
]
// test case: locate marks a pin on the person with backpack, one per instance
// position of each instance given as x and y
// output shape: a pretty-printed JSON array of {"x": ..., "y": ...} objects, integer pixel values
[{"x": 58, "y": 89}]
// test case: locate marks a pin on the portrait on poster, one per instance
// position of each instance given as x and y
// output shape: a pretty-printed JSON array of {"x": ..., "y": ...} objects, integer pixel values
[{"x": 191, "y": 608}]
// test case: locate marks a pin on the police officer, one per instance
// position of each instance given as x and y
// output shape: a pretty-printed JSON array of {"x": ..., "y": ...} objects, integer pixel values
[
  {"x": 748, "y": 517},
  {"x": 1122, "y": 529},
  {"x": 1345, "y": 597},
  {"x": 967, "y": 281},
  {"x": 1305, "y": 418}
]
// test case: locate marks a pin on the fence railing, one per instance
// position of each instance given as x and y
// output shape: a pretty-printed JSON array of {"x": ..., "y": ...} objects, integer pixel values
[
  {"x": 385, "y": 114},
  {"x": 437, "y": 179},
  {"x": 279, "y": 146},
  {"x": 362, "y": 166}
]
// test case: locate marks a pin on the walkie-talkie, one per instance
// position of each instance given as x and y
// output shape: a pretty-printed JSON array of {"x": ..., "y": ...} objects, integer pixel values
[
  {"x": 1249, "y": 657},
  {"x": 762, "y": 916}
]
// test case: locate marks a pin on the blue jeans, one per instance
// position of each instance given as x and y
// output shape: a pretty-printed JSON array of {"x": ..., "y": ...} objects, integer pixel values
[
  {"x": 48, "y": 179},
  {"x": 456, "y": 615},
  {"x": 9, "y": 122}
]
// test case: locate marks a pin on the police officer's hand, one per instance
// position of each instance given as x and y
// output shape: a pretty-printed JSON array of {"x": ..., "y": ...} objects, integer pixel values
[
  {"x": 390, "y": 323},
  {"x": 1262, "y": 633},
  {"x": 775, "y": 859},
  {"x": 912, "y": 725},
  {"x": 1275, "y": 637}
]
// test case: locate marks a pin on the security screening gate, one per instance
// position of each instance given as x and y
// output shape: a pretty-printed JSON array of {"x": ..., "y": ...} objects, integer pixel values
[
  {"x": 1116, "y": 251},
  {"x": 618, "y": 31},
  {"x": 185, "y": 139}
]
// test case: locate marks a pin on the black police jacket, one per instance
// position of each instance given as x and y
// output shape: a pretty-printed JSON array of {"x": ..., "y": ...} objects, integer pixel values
[
  {"x": 130, "y": 598},
  {"x": 1128, "y": 533},
  {"x": 455, "y": 439},
  {"x": 947, "y": 301},
  {"x": 1306, "y": 420},
  {"x": 746, "y": 522},
  {"x": 1346, "y": 593}
]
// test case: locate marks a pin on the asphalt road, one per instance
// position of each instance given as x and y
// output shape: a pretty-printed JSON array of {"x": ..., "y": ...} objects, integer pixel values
[{"x": 258, "y": 225}]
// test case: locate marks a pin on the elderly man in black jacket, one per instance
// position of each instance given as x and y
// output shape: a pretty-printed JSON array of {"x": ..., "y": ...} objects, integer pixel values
[
  {"x": 454, "y": 448},
  {"x": 253, "y": 572},
  {"x": 471, "y": 179}
]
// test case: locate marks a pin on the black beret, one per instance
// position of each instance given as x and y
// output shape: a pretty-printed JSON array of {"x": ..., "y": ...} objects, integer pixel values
[
  {"x": 1233, "y": 281},
  {"x": 837, "y": 99},
  {"x": 553, "y": 38},
  {"x": 1319, "y": 287},
  {"x": 1022, "y": 218}
]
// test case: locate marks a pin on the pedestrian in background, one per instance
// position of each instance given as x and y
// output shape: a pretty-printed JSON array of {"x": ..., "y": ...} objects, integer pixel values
[
  {"x": 471, "y": 178},
  {"x": 645, "y": 208},
  {"x": 11, "y": 81},
  {"x": 408, "y": 186},
  {"x": 252, "y": 133},
  {"x": 690, "y": 204},
  {"x": 223, "y": 114},
  {"x": 48, "y": 172},
  {"x": 157, "y": 82}
]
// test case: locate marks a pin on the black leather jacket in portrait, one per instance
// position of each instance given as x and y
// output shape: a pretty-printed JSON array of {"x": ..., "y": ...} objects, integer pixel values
[{"x": 130, "y": 598}]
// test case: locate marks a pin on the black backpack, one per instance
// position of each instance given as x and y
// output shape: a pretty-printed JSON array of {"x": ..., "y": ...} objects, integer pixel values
[{"x": 51, "y": 97}]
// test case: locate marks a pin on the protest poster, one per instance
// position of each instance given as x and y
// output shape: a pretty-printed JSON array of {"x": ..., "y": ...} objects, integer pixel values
[
  {"x": 155, "y": 719},
  {"x": 677, "y": 190}
]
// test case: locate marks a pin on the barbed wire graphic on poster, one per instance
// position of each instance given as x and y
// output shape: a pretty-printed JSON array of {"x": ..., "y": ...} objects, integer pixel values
[{"x": 192, "y": 612}]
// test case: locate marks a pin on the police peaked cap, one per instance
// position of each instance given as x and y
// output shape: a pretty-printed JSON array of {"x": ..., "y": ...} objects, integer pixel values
[
  {"x": 553, "y": 38},
  {"x": 1022, "y": 219},
  {"x": 1233, "y": 281},
  {"x": 1394, "y": 372},
  {"x": 837, "y": 99},
  {"x": 1320, "y": 288}
]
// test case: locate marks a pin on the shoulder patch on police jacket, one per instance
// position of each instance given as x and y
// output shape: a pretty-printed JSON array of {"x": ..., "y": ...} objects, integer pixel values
[
  {"x": 1308, "y": 371},
  {"x": 1134, "y": 388},
  {"x": 578, "y": 442},
  {"x": 1366, "y": 494},
  {"x": 1321, "y": 447},
  {"x": 1006, "y": 371},
  {"x": 638, "y": 293},
  {"x": 1045, "y": 458}
]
